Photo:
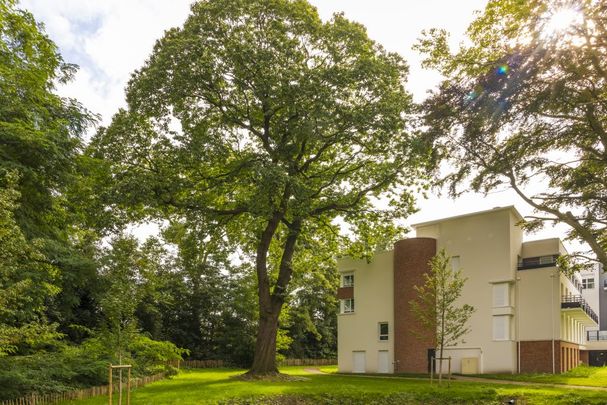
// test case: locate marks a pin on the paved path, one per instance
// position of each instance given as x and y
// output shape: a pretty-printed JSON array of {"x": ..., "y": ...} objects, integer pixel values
[
  {"x": 510, "y": 382},
  {"x": 474, "y": 379}
]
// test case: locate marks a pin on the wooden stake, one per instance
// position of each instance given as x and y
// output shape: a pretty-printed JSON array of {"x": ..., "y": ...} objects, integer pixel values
[{"x": 110, "y": 386}]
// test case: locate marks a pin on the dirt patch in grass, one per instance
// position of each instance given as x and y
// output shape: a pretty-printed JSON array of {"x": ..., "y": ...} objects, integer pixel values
[{"x": 270, "y": 377}]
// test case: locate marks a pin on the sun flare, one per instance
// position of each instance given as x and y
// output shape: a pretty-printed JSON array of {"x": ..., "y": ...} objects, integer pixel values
[{"x": 561, "y": 20}]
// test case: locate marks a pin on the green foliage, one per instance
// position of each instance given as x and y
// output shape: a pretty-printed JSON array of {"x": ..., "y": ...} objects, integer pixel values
[
  {"x": 26, "y": 282},
  {"x": 260, "y": 120},
  {"x": 437, "y": 306},
  {"x": 73, "y": 367},
  {"x": 523, "y": 106}
]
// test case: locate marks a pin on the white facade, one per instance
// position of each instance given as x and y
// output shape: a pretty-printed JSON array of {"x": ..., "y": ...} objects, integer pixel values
[{"x": 524, "y": 306}]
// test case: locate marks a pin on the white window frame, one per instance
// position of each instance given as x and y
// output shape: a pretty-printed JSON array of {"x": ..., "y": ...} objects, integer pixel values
[
  {"x": 456, "y": 263},
  {"x": 588, "y": 283},
  {"x": 506, "y": 327},
  {"x": 347, "y": 306},
  {"x": 386, "y": 336},
  {"x": 501, "y": 295},
  {"x": 347, "y": 276}
]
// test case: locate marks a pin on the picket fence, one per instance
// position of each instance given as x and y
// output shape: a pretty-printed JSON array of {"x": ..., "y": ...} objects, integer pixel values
[{"x": 85, "y": 393}]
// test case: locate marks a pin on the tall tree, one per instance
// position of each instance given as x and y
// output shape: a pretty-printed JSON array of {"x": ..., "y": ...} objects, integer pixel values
[
  {"x": 259, "y": 118},
  {"x": 40, "y": 138},
  {"x": 438, "y": 307},
  {"x": 26, "y": 282},
  {"x": 524, "y": 103}
]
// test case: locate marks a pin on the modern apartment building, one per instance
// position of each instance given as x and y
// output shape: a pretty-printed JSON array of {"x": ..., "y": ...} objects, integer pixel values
[{"x": 529, "y": 316}]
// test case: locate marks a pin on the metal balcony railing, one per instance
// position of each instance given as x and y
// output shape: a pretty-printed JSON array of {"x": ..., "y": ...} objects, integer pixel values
[
  {"x": 576, "y": 301},
  {"x": 596, "y": 335}
]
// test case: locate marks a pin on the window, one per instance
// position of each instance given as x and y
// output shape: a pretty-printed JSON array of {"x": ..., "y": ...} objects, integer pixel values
[
  {"x": 605, "y": 284},
  {"x": 501, "y": 295},
  {"x": 588, "y": 283},
  {"x": 501, "y": 327},
  {"x": 347, "y": 306},
  {"x": 455, "y": 263},
  {"x": 347, "y": 280},
  {"x": 383, "y": 331},
  {"x": 548, "y": 259}
]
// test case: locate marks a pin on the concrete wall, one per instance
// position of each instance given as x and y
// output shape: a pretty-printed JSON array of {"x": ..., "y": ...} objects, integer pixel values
[
  {"x": 539, "y": 304},
  {"x": 488, "y": 245},
  {"x": 602, "y": 292},
  {"x": 373, "y": 303},
  {"x": 591, "y": 295}
]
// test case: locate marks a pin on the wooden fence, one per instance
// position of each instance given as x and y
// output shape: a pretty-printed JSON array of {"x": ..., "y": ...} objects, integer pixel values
[
  {"x": 308, "y": 362},
  {"x": 85, "y": 393},
  {"x": 198, "y": 364},
  {"x": 140, "y": 382}
]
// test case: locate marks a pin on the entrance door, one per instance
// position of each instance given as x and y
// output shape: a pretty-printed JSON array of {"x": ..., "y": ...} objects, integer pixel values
[
  {"x": 383, "y": 365},
  {"x": 358, "y": 362}
]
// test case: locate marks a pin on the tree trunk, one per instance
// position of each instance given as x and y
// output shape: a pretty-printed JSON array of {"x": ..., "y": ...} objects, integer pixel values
[
  {"x": 270, "y": 305},
  {"x": 264, "y": 360}
]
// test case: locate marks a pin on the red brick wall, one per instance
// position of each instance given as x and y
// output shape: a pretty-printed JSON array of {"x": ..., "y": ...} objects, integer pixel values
[
  {"x": 411, "y": 257},
  {"x": 572, "y": 355},
  {"x": 584, "y": 356},
  {"x": 536, "y": 356}
]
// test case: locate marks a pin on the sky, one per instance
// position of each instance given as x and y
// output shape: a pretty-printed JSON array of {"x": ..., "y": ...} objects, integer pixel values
[{"x": 109, "y": 39}]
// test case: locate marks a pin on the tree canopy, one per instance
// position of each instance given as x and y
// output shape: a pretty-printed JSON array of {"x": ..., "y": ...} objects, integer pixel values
[
  {"x": 525, "y": 103},
  {"x": 261, "y": 120}
]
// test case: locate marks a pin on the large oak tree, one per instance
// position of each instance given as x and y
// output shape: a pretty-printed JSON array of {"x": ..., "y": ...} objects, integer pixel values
[
  {"x": 524, "y": 104},
  {"x": 258, "y": 118}
]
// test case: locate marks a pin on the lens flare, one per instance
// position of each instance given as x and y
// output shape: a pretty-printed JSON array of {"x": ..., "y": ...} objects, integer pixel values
[
  {"x": 503, "y": 70},
  {"x": 560, "y": 20}
]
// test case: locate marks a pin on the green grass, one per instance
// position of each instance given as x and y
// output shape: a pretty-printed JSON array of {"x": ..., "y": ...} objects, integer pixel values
[
  {"x": 582, "y": 375},
  {"x": 202, "y": 386}
]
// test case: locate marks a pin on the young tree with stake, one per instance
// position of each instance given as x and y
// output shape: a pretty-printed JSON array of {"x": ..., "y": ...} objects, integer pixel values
[{"x": 437, "y": 305}]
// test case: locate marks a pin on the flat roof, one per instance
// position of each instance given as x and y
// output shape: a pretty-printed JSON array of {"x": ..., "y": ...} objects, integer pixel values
[{"x": 511, "y": 208}]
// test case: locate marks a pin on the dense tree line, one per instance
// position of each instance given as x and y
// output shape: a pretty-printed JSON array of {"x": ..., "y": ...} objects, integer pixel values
[{"x": 77, "y": 291}]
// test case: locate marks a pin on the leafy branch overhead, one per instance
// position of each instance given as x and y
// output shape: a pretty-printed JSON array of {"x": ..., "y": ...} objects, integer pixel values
[{"x": 524, "y": 106}]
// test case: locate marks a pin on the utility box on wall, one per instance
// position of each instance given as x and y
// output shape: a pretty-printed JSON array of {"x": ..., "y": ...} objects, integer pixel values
[{"x": 470, "y": 365}]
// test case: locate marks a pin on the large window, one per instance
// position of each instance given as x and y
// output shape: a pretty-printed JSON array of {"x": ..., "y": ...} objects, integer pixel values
[
  {"x": 501, "y": 327},
  {"x": 347, "y": 280},
  {"x": 347, "y": 306},
  {"x": 588, "y": 283},
  {"x": 383, "y": 331}
]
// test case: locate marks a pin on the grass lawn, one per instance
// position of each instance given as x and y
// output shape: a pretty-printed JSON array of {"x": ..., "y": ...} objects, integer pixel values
[
  {"x": 202, "y": 386},
  {"x": 582, "y": 375}
]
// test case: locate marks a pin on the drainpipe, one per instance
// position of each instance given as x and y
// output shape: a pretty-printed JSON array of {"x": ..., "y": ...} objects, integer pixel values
[
  {"x": 552, "y": 318},
  {"x": 518, "y": 324}
]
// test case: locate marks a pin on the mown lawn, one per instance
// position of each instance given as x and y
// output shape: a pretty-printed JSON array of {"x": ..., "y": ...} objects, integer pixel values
[
  {"x": 582, "y": 375},
  {"x": 202, "y": 386}
]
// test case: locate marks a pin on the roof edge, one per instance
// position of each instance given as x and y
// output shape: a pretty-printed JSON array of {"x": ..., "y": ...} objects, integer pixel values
[{"x": 510, "y": 208}]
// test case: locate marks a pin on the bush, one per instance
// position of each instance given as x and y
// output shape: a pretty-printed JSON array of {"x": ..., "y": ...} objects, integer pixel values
[{"x": 74, "y": 367}]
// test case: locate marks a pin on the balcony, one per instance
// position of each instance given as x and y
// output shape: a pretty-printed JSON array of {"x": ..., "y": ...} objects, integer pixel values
[
  {"x": 596, "y": 335},
  {"x": 578, "y": 308},
  {"x": 537, "y": 262}
]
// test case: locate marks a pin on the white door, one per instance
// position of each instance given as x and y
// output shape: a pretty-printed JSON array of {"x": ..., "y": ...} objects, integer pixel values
[
  {"x": 358, "y": 362},
  {"x": 383, "y": 364}
]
